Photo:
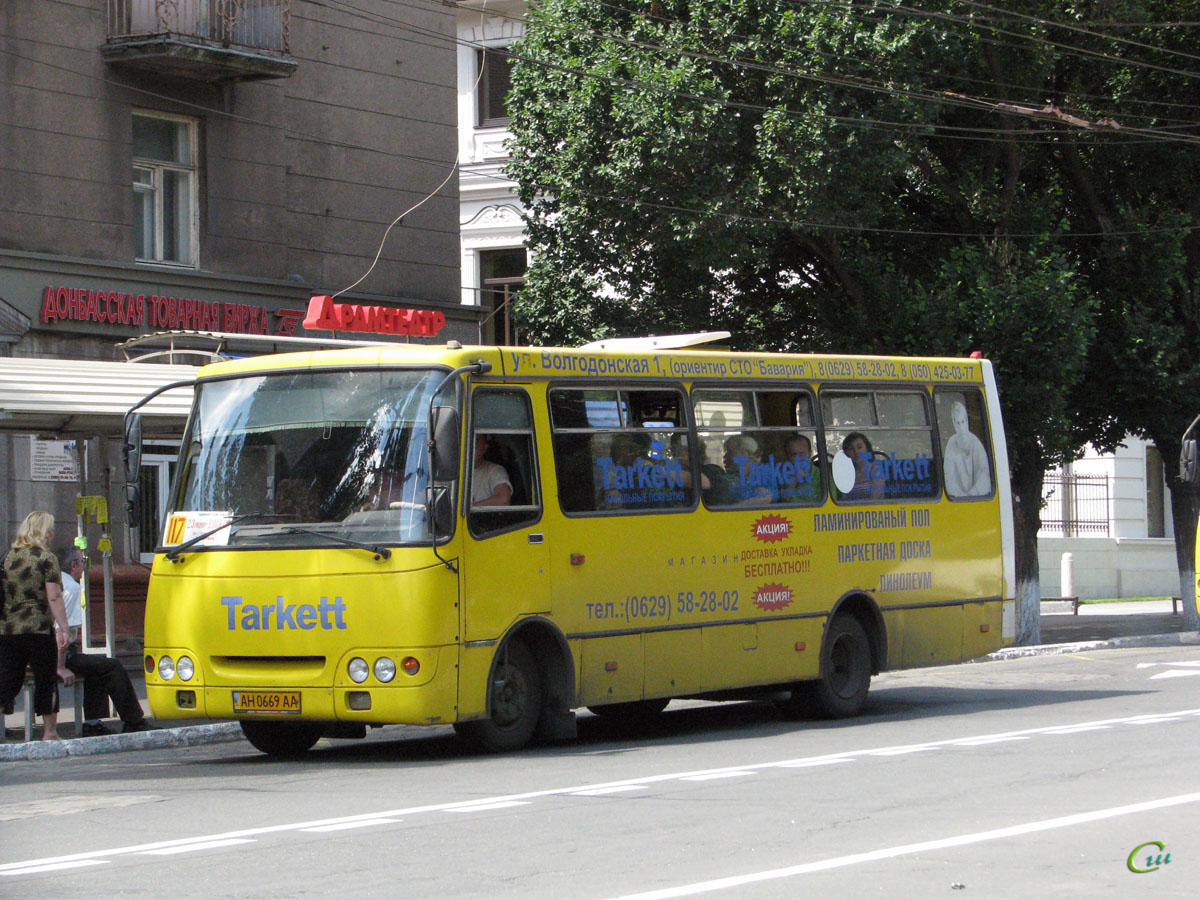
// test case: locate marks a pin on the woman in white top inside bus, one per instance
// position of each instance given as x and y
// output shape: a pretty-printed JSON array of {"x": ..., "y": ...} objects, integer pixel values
[{"x": 859, "y": 449}]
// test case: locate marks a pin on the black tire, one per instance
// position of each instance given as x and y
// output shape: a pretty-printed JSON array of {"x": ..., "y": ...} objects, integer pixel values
[
  {"x": 515, "y": 702},
  {"x": 635, "y": 711},
  {"x": 281, "y": 738},
  {"x": 845, "y": 677}
]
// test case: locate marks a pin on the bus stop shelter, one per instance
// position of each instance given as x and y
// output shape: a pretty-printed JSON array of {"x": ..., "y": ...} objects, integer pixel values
[{"x": 84, "y": 401}]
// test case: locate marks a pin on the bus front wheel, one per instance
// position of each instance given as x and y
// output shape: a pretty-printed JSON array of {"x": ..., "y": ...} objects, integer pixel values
[
  {"x": 281, "y": 738},
  {"x": 516, "y": 703}
]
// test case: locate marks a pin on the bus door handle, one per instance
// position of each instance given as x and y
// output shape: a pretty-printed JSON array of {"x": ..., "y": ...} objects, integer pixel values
[{"x": 537, "y": 538}]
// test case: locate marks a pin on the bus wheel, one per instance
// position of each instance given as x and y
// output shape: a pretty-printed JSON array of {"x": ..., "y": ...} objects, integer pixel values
[
  {"x": 516, "y": 702},
  {"x": 845, "y": 670},
  {"x": 281, "y": 738},
  {"x": 636, "y": 711}
]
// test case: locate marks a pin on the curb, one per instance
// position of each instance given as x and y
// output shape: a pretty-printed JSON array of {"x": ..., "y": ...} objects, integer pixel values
[
  {"x": 1141, "y": 640},
  {"x": 158, "y": 739}
]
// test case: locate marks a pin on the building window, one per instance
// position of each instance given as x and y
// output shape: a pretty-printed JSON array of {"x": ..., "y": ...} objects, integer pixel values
[
  {"x": 494, "y": 81},
  {"x": 164, "y": 189},
  {"x": 502, "y": 272},
  {"x": 1156, "y": 517}
]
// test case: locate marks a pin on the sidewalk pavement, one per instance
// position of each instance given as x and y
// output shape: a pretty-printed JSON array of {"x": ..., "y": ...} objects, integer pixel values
[{"x": 1097, "y": 626}]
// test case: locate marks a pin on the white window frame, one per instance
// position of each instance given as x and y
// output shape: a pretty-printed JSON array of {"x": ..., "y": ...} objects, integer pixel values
[{"x": 149, "y": 184}]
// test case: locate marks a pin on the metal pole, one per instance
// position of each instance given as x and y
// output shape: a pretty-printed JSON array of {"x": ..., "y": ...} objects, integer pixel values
[
  {"x": 85, "y": 634},
  {"x": 110, "y": 625}
]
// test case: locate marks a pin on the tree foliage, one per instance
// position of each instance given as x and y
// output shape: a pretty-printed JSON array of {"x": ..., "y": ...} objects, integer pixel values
[{"x": 884, "y": 178}]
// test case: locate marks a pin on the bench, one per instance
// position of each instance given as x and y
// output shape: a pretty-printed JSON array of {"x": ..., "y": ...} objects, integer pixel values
[
  {"x": 27, "y": 699},
  {"x": 1074, "y": 601}
]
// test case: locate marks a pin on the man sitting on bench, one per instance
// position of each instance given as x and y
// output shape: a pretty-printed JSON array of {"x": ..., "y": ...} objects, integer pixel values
[{"x": 103, "y": 677}]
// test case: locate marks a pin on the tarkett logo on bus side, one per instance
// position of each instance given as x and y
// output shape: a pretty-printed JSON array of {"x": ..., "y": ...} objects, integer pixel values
[
  {"x": 771, "y": 528},
  {"x": 773, "y": 597}
]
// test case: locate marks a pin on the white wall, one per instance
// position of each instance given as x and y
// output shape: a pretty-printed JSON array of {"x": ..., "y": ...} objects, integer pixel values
[
  {"x": 490, "y": 213},
  {"x": 1126, "y": 563}
]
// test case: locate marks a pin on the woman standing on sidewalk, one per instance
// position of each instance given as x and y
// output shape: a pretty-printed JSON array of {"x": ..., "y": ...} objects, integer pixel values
[{"x": 33, "y": 627}]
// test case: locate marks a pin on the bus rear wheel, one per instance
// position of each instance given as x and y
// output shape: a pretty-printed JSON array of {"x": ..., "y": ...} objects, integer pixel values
[
  {"x": 845, "y": 678},
  {"x": 515, "y": 701},
  {"x": 281, "y": 738},
  {"x": 841, "y": 689}
]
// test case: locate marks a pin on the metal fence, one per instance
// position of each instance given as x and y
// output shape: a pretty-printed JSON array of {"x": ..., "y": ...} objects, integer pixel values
[
  {"x": 254, "y": 24},
  {"x": 1076, "y": 505}
]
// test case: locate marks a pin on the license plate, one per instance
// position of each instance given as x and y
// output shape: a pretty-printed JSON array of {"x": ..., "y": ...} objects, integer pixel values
[{"x": 266, "y": 701}]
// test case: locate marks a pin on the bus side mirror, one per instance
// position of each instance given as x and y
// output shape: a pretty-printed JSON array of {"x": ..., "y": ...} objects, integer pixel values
[
  {"x": 131, "y": 453},
  {"x": 131, "y": 447},
  {"x": 444, "y": 443},
  {"x": 1189, "y": 462},
  {"x": 1189, "y": 456}
]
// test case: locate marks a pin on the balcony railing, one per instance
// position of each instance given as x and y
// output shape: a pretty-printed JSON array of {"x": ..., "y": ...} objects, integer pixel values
[
  {"x": 211, "y": 40},
  {"x": 1076, "y": 505}
]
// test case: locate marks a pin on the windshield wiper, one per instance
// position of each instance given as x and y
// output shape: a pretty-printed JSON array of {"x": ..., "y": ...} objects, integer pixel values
[
  {"x": 173, "y": 553},
  {"x": 380, "y": 552}
]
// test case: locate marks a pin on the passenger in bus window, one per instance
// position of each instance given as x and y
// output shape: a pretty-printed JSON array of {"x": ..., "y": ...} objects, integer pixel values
[
  {"x": 866, "y": 485},
  {"x": 743, "y": 473},
  {"x": 490, "y": 484},
  {"x": 681, "y": 454},
  {"x": 804, "y": 415},
  {"x": 965, "y": 465},
  {"x": 797, "y": 451},
  {"x": 618, "y": 475}
]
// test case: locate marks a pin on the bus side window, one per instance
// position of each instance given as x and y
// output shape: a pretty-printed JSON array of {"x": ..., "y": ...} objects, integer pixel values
[
  {"x": 966, "y": 462},
  {"x": 879, "y": 444},
  {"x": 504, "y": 491}
]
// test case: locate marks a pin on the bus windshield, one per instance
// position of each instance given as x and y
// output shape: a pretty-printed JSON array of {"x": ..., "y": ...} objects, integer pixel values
[{"x": 305, "y": 458}]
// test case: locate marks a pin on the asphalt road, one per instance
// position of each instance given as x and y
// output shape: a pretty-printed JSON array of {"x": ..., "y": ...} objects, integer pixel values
[{"x": 1030, "y": 777}]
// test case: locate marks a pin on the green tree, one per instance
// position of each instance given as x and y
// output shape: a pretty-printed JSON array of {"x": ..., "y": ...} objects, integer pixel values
[{"x": 858, "y": 177}]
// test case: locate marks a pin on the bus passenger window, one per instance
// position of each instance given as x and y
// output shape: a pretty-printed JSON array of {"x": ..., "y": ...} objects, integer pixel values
[
  {"x": 966, "y": 464},
  {"x": 502, "y": 482},
  {"x": 880, "y": 445},
  {"x": 617, "y": 450},
  {"x": 754, "y": 453}
]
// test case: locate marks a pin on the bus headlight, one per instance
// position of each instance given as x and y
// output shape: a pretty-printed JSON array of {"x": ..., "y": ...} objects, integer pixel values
[
  {"x": 358, "y": 670},
  {"x": 385, "y": 669},
  {"x": 166, "y": 668},
  {"x": 185, "y": 668}
]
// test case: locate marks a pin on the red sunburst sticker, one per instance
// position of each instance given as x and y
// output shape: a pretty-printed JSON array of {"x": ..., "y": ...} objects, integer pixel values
[
  {"x": 773, "y": 596},
  {"x": 771, "y": 528}
]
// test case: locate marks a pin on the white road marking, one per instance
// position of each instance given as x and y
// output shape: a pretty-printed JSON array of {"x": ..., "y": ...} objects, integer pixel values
[
  {"x": 1195, "y": 663},
  {"x": 715, "y": 775},
  {"x": 900, "y": 751},
  {"x": 1176, "y": 673},
  {"x": 343, "y": 826},
  {"x": 724, "y": 884},
  {"x": 520, "y": 799},
  {"x": 1078, "y": 728},
  {"x": 999, "y": 739},
  {"x": 481, "y": 807},
  {"x": 615, "y": 789},
  {"x": 200, "y": 845}
]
